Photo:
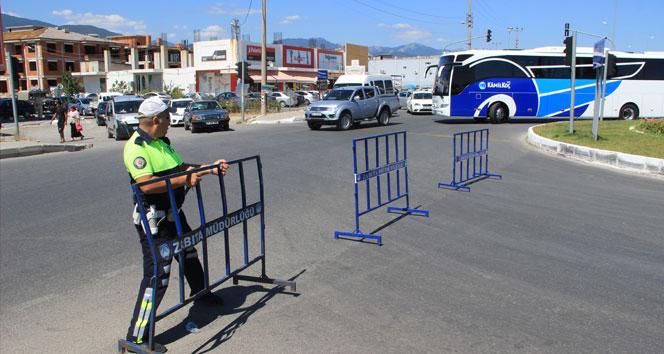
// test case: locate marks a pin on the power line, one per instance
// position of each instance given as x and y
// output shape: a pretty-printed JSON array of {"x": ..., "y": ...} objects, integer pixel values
[
  {"x": 248, "y": 11},
  {"x": 416, "y": 12},
  {"x": 397, "y": 15}
]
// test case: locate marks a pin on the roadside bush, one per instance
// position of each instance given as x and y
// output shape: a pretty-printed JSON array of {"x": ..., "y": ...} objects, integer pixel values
[
  {"x": 653, "y": 126},
  {"x": 233, "y": 106}
]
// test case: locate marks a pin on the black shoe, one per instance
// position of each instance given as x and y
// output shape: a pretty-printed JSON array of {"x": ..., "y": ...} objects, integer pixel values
[
  {"x": 211, "y": 299},
  {"x": 158, "y": 348}
]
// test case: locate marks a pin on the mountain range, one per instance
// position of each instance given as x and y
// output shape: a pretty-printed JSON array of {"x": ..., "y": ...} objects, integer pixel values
[
  {"x": 406, "y": 50},
  {"x": 11, "y": 21}
]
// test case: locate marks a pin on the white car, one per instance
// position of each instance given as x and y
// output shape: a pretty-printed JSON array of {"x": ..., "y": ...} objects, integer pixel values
[
  {"x": 283, "y": 99},
  {"x": 179, "y": 104},
  {"x": 308, "y": 96},
  {"x": 419, "y": 102}
]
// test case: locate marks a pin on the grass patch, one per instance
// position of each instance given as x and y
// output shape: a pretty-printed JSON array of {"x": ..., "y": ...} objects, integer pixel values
[{"x": 614, "y": 135}]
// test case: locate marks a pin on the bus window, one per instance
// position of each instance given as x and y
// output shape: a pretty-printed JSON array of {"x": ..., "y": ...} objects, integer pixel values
[
  {"x": 389, "y": 89},
  {"x": 380, "y": 85}
]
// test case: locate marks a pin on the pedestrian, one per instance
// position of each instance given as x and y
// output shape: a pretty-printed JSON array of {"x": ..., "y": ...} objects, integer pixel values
[
  {"x": 61, "y": 115},
  {"x": 147, "y": 155},
  {"x": 75, "y": 123}
]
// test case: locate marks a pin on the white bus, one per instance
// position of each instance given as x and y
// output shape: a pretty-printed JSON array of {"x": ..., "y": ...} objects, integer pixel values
[
  {"x": 383, "y": 82},
  {"x": 505, "y": 84}
]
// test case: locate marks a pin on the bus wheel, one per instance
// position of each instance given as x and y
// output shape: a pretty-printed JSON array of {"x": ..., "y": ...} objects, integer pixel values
[
  {"x": 629, "y": 111},
  {"x": 498, "y": 113}
]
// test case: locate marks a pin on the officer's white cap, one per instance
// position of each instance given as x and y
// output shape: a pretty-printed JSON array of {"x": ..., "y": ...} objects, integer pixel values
[{"x": 151, "y": 107}]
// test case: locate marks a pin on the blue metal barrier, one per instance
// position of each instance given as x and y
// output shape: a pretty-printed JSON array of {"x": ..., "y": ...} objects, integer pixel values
[
  {"x": 201, "y": 235},
  {"x": 389, "y": 168},
  {"x": 469, "y": 148}
]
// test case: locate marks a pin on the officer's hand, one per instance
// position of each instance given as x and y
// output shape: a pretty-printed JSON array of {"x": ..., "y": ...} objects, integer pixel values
[
  {"x": 224, "y": 167},
  {"x": 192, "y": 179}
]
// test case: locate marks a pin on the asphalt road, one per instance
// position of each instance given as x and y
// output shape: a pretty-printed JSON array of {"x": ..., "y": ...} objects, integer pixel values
[{"x": 557, "y": 257}]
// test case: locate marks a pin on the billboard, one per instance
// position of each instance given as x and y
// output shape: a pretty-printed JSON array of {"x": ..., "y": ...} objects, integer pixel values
[
  {"x": 219, "y": 54},
  {"x": 298, "y": 57},
  {"x": 254, "y": 53},
  {"x": 330, "y": 60}
]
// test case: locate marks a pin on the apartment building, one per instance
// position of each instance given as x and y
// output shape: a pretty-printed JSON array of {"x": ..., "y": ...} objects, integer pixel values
[{"x": 41, "y": 55}]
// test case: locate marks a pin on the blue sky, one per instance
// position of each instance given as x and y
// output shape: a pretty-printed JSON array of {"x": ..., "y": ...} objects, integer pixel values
[{"x": 636, "y": 24}]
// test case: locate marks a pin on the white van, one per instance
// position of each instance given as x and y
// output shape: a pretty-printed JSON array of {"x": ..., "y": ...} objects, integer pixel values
[{"x": 383, "y": 82}]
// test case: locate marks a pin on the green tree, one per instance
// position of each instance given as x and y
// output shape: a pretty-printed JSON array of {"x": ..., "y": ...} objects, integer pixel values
[
  {"x": 121, "y": 87},
  {"x": 174, "y": 91},
  {"x": 70, "y": 85}
]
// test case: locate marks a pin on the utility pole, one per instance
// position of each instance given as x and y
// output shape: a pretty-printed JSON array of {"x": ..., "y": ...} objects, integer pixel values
[
  {"x": 263, "y": 61},
  {"x": 10, "y": 70},
  {"x": 517, "y": 30},
  {"x": 469, "y": 24},
  {"x": 235, "y": 25},
  {"x": 572, "y": 84}
]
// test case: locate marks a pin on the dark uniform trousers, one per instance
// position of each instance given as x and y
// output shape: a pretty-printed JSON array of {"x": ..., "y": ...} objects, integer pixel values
[{"x": 193, "y": 272}]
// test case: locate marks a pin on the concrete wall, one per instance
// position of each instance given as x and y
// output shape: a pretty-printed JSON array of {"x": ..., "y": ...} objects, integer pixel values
[
  {"x": 124, "y": 75},
  {"x": 410, "y": 70},
  {"x": 91, "y": 84},
  {"x": 182, "y": 78}
]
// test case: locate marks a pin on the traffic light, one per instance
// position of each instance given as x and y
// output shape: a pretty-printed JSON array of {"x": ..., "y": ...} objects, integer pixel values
[
  {"x": 611, "y": 66},
  {"x": 488, "y": 36},
  {"x": 246, "y": 78},
  {"x": 568, "y": 50}
]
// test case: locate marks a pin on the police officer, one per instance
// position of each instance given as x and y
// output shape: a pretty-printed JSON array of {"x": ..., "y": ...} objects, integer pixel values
[{"x": 147, "y": 155}]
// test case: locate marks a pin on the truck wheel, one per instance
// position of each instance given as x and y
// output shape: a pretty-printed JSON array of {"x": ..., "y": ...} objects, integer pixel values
[
  {"x": 498, "y": 113},
  {"x": 193, "y": 129},
  {"x": 383, "y": 117},
  {"x": 629, "y": 111},
  {"x": 313, "y": 125},
  {"x": 344, "y": 122},
  {"x": 225, "y": 126}
]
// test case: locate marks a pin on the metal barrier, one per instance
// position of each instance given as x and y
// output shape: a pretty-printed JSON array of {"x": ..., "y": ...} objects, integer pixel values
[
  {"x": 201, "y": 235},
  {"x": 389, "y": 168},
  {"x": 473, "y": 154}
]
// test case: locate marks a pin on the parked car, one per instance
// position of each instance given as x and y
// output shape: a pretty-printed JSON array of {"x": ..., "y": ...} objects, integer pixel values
[
  {"x": 164, "y": 97},
  {"x": 283, "y": 99},
  {"x": 253, "y": 96},
  {"x": 403, "y": 98},
  {"x": 308, "y": 97},
  {"x": 204, "y": 115},
  {"x": 50, "y": 103},
  {"x": 122, "y": 116},
  {"x": 227, "y": 96},
  {"x": 348, "y": 106},
  {"x": 100, "y": 113},
  {"x": 23, "y": 109},
  {"x": 179, "y": 105},
  {"x": 82, "y": 106},
  {"x": 420, "y": 102}
]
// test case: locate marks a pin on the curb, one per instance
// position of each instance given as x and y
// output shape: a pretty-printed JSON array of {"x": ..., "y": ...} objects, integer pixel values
[
  {"x": 296, "y": 119},
  {"x": 40, "y": 149},
  {"x": 604, "y": 157}
]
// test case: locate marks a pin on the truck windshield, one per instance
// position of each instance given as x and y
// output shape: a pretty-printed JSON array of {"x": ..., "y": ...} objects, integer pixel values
[
  {"x": 338, "y": 95},
  {"x": 347, "y": 84}
]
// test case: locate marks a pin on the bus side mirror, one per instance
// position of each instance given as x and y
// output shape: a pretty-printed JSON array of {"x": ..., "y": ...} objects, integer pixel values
[{"x": 426, "y": 72}]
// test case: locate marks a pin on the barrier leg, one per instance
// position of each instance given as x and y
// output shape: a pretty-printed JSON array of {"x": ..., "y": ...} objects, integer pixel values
[
  {"x": 378, "y": 238},
  {"x": 422, "y": 212},
  {"x": 453, "y": 185}
]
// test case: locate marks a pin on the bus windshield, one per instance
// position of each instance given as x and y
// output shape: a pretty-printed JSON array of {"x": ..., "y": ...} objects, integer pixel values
[{"x": 442, "y": 87}]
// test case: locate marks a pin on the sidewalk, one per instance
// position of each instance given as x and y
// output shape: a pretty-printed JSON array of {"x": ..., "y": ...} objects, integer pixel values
[
  {"x": 35, "y": 141},
  {"x": 40, "y": 136},
  {"x": 288, "y": 115}
]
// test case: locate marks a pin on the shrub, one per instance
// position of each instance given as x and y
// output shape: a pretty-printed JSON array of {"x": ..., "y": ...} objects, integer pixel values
[{"x": 653, "y": 126}]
